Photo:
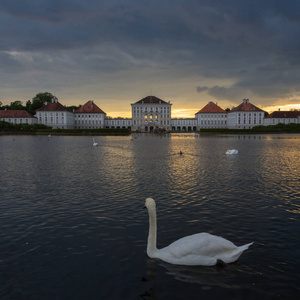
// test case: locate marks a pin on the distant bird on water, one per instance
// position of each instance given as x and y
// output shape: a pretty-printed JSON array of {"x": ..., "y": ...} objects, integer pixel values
[
  {"x": 94, "y": 143},
  {"x": 232, "y": 151}
]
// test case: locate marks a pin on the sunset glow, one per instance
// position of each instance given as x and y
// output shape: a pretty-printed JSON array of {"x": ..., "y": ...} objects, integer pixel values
[
  {"x": 118, "y": 52},
  {"x": 287, "y": 107}
]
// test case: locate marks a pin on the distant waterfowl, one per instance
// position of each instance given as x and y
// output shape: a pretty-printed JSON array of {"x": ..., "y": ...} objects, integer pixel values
[
  {"x": 49, "y": 135},
  {"x": 200, "y": 249},
  {"x": 232, "y": 151},
  {"x": 94, "y": 143}
]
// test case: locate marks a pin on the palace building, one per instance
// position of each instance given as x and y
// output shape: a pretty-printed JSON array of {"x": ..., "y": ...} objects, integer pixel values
[
  {"x": 89, "y": 116},
  {"x": 150, "y": 114},
  {"x": 17, "y": 117}
]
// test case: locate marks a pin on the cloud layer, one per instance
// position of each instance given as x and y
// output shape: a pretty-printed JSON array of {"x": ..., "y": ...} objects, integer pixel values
[{"x": 192, "y": 51}]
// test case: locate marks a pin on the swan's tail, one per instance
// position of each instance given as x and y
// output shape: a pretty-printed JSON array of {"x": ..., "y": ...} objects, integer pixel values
[
  {"x": 244, "y": 247},
  {"x": 235, "y": 254},
  {"x": 240, "y": 250}
]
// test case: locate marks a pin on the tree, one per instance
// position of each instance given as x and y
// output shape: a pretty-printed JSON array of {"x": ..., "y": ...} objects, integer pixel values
[
  {"x": 73, "y": 107},
  {"x": 16, "y": 105},
  {"x": 39, "y": 100}
]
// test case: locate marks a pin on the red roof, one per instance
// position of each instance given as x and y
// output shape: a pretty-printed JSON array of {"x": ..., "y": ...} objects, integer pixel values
[
  {"x": 284, "y": 114},
  {"x": 89, "y": 107},
  {"x": 211, "y": 108},
  {"x": 15, "y": 114},
  {"x": 246, "y": 106},
  {"x": 53, "y": 106},
  {"x": 151, "y": 99}
]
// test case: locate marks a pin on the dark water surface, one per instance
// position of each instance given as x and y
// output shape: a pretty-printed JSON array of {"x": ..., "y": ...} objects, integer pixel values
[{"x": 73, "y": 227}]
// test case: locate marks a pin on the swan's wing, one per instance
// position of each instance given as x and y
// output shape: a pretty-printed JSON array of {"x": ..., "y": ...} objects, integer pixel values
[{"x": 201, "y": 244}]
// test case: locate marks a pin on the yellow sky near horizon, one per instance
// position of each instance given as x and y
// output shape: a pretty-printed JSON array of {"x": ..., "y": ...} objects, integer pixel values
[{"x": 190, "y": 112}]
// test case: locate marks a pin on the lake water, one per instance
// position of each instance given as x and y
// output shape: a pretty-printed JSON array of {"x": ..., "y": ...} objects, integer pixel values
[{"x": 73, "y": 227}]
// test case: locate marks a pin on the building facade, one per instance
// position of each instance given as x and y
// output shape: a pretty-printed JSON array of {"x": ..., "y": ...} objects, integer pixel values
[
  {"x": 150, "y": 114},
  {"x": 184, "y": 124},
  {"x": 211, "y": 116},
  {"x": 55, "y": 115},
  {"x": 17, "y": 117},
  {"x": 245, "y": 116},
  {"x": 89, "y": 116},
  {"x": 283, "y": 117},
  {"x": 118, "y": 123}
]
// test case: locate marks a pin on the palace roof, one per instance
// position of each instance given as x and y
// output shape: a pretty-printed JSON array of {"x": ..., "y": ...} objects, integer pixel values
[
  {"x": 211, "y": 108},
  {"x": 90, "y": 107},
  {"x": 151, "y": 99},
  {"x": 246, "y": 106},
  {"x": 15, "y": 114},
  {"x": 53, "y": 106},
  {"x": 284, "y": 114}
]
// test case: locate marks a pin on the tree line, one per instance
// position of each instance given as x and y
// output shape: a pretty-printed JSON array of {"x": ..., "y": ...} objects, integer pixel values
[{"x": 32, "y": 105}]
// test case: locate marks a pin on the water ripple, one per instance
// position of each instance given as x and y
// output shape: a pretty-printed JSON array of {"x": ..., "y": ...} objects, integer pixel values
[{"x": 71, "y": 215}]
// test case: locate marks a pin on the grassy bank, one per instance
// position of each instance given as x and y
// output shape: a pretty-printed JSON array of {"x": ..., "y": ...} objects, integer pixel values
[
  {"x": 279, "y": 128},
  {"x": 39, "y": 129}
]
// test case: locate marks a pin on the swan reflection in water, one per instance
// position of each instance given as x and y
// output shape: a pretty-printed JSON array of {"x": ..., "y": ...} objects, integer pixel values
[{"x": 207, "y": 277}]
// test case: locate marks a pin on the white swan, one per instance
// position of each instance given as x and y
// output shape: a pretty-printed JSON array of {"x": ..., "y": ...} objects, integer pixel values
[
  {"x": 94, "y": 142},
  {"x": 232, "y": 151},
  {"x": 194, "y": 250}
]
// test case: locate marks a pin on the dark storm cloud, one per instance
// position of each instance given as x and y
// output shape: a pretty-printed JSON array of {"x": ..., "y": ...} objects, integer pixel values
[{"x": 253, "y": 43}]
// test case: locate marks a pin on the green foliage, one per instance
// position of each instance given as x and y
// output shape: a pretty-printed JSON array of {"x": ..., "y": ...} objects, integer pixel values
[
  {"x": 73, "y": 107},
  {"x": 10, "y": 127},
  {"x": 16, "y": 105},
  {"x": 43, "y": 129},
  {"x": 279, "y": 128},
  {"x": 38, "y": 101},
  {"x": 31, "y": 106}
]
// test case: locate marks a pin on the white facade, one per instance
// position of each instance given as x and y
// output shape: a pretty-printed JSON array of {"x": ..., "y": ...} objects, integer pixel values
[
  {"x": 89, "y": 116},
  {"x": 150, "y": 114},
  {"x": 211, "y": 120},
  {"x": 244, "y": 120},
  {"x": 282, "y": 117},
  {"x": 184, "y": 124},
  {"x": 118, "y": 123},
  {"x": 17, "y": 117},
  {"x": 56, "y": 119},
  {"x": 245, "y": 116},
  {"x": 89, "y": 120},
  {"x": 55, "y": 115}
]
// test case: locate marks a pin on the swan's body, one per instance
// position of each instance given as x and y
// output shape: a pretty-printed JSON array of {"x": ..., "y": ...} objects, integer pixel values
[
  {"x": 198, "y": 249},
  {"x": 232, "y": 151},
  {"x": 94, "y": 143}
]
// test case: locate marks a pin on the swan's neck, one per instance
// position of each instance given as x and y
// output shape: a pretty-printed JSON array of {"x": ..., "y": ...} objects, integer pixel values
[{"x": 151, "y": 247}]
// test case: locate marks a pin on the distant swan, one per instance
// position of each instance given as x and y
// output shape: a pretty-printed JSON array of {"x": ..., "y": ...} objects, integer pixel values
[
  {"x": 232, "y": 151},
  {"x": 94, "y": 142},
  {"x": 200, "y": 249}
]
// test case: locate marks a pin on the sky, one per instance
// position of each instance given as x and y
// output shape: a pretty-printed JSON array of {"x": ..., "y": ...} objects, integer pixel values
[{"x": 116, "y": 52}]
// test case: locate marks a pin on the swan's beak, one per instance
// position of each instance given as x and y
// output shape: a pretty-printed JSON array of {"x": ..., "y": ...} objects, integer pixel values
[{"x": 144, "y": 206}]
